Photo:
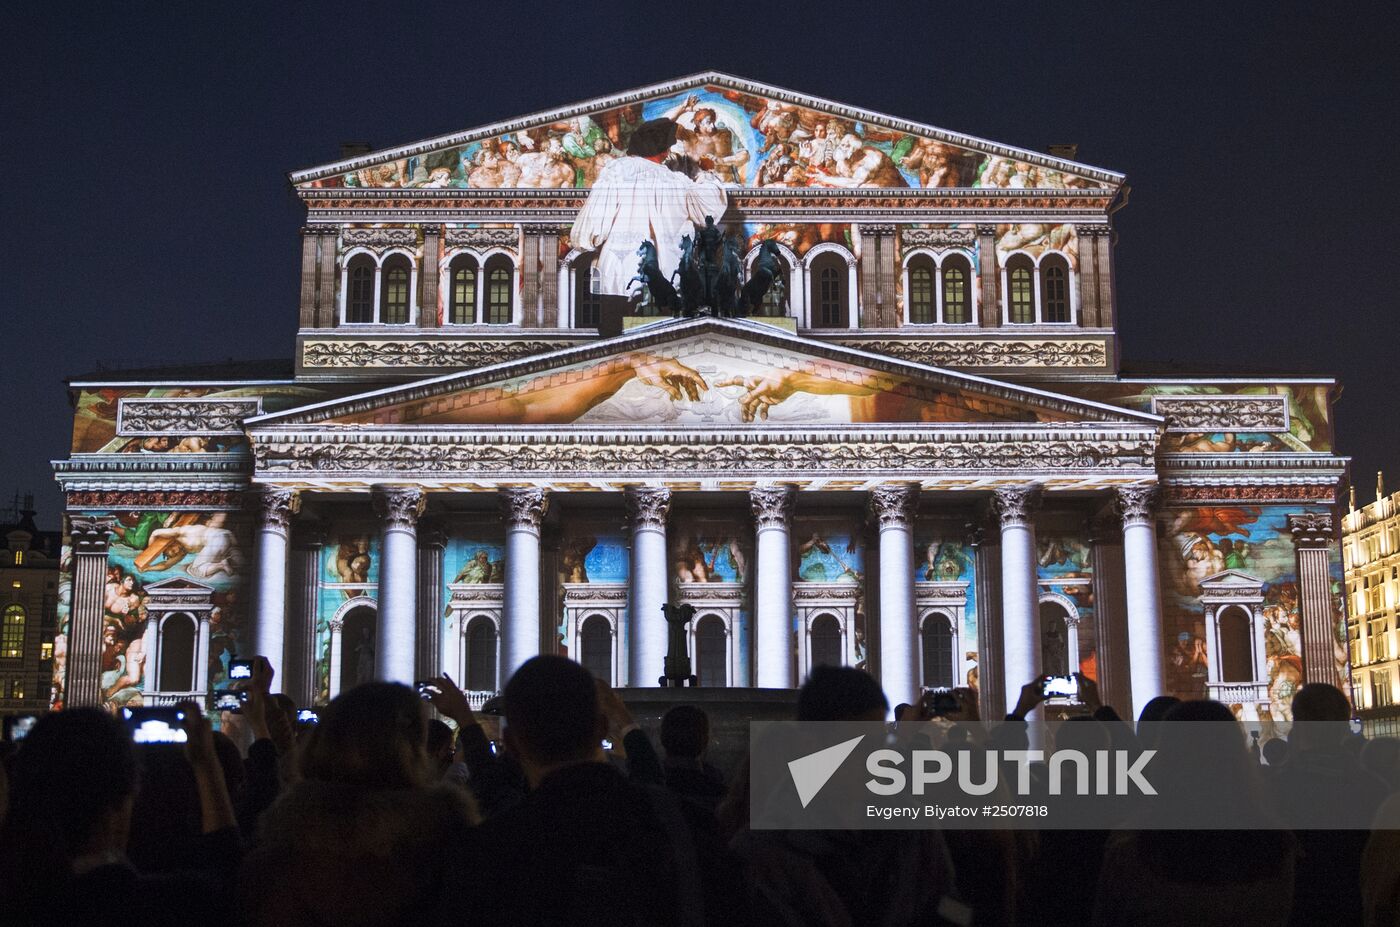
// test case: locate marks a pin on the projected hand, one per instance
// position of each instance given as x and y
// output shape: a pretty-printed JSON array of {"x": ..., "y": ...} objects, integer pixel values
[
  {"x": 761, "y": 392},
  {"x": 676, "y": 379}
]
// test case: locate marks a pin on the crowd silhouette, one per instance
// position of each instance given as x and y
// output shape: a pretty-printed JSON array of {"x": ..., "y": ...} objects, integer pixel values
[{"x": 566, "y": 813}]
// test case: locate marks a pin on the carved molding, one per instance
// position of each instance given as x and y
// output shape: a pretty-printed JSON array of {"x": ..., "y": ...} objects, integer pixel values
[
  {"x": 893, "y": 506},
  {"x": 647, "y": 507},
  {"x": 399, "y": 506},
  {"x": 487, "y": 593},
  {"x": 772, "y": 506},
  {"x": 336, "y": 625},
  {"x": 1135, "y": 504},
  {"x": 379, "y": 239},
  {"x": 589, "y": 592},
  {"x": 1311, "y": 529},
  {"x": 524, "y": 508},
  {"x": 937, "y": 238},
  {"x": 1234, "y": 492},
  {"x": 1016, "y": 506},
  {"x": 276, "y": 508},
  {"x": 145, "y": 417},
  {"x": 483, "y": 238},
  {"x": 468, "y": 353},
  {"x": 154, "y": 499},
  {"x": 1039, "y": 352},
  {"x": 1223, "y": 413}
]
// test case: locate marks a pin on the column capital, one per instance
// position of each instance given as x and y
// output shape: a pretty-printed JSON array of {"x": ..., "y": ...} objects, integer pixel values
[
  {"x": 647, "y": 507},
  {"x": 1135, "y": 504},
  {"x": 336, "y": 625},
  {"x": 986, "y": 230},
  {"x": 398, "y": 506},
  {"x": 91, "y": 533},
  {"x": 1311, "y": 529},
  {"x": 275, "y": 507},
  {"x": 772, "y": 505},
  {"x": 524, "y": 508},
  {"x": 892, "y": 505},
  {"x": 1016, "y": 505}
]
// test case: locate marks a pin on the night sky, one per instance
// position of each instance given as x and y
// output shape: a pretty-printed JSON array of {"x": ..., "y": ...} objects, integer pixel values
[{"x": 147, "y": 219}]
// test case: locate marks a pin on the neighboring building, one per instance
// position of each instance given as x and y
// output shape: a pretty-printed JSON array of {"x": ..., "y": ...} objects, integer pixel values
[
  {"x": 921, "y": 453},
  {"x": 29, "y": 598},
  {"x": 1371, "y": 557}
]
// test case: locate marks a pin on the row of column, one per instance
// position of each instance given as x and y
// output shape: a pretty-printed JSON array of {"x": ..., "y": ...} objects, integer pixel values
[{"x": 892, "y": 508}]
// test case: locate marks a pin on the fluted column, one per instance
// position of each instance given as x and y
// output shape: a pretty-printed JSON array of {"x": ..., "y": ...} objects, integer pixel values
[
  {"x": 1312, "y": 539},
  {"x": 336, "y": 626},
  {"x": 1110, "y": 611},
  {"x": 299, "y": 676},
  {"x": 893, "y": 510},
  {"x": 772, "y": 513},
  {"x": 398, "y": 508},
  {"x": 1020, "y": 610},
  {"x": 432, "y": 544},
  {"x": 523, "y": 511},
  {"x": 83, "y": 669},
  {"x": 988, "y": 302},
  {"x": 1144, "y": 594},
  {"x": 428, "y": 290},
  {"x": 275, "y": 509},
  {"x": 647, "y": 508}
]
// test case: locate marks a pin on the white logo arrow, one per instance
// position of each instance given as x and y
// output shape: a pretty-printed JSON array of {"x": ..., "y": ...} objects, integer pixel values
[{"x": 811, "y": 772}]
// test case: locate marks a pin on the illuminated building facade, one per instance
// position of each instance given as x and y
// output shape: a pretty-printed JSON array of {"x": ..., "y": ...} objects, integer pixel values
[
  {"x": 1371, "y": 558},
  {"x": 29, "y": 591},
  {"x": 920, "y": 454}
]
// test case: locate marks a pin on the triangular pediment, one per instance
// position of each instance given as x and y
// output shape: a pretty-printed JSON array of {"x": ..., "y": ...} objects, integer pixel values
[
  {"x": 758, "y": 135},
  {"x": 179, "y": 586},
  {"x": 704, "y": 373},
  {"x": 1231, "y": 579}
]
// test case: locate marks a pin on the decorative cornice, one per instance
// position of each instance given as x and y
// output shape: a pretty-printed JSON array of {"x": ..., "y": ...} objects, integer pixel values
[
  {"x": 937, "y": 238},
  {"x": 473, "y": 352},
  {"x": 772, "y": 505},
  {"x": 975, "y": 352},
  {"x": 1177, "y": 493},
  {"x": 1312, "y": 529},
  {"x": 489, "y": 593},
  {"x": 825, "y": 593},
  {"x": 276, "y": 508},
  {"x": 595, "y": 593},
  {"x": 398, "y": 506},
  {"x": 91, "y": 533},
  {"x": 1223, "y": 413},
  {"x": 483, "y": 238},
  {"x": 647, "y": 507},
  {"x": 712, "y": 592},
  {"x": 893, "y": 506},
  {"x": 379, "y": 239},
  {"x": 1016, "y": 506},
  {"x": 1135, "y": 504},
  {"x": 524, "y": 508},
  {"x": 184, "y": 417},
  {"x": 218, "y": 500}
]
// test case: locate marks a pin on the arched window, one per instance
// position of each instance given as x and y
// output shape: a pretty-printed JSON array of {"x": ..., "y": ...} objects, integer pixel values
[
  {"x": 461, "y": 294},
  {"x": 957, "y": 290},
  {"x": 826, "y": 641},
  {"x": 177, "y": 637},
  {"x": 481, "y": 655},
  {"x": 1236, "y": 661},
  {"x": 1021, "y": 298},
  {"x": 1054, "y": 289},
  {"x": 830, "y": 309},
  {"x": 359, "y": 302},
  {"x": 921, "y": 302},
  {"x": 597, "y": 647},
  {"x": 12, "y": 633},
  {"x": 1054, "y": 640},
  {"x": 499, "y": 290},
  {"x": 937, "y": 640},
  {"x": 393, "y": 290},
  {"x": 710, "y": 651},
  {"x": 588, "y": 300}
]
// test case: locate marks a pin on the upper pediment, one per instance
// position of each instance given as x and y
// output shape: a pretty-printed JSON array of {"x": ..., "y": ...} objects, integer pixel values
[
  {"x": 756, "y": 135},
  {"x": 704, "y": 373}
]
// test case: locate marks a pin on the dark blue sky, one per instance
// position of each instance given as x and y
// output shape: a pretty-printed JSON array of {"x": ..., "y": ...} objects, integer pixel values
[{"x": 146, "y": 217}]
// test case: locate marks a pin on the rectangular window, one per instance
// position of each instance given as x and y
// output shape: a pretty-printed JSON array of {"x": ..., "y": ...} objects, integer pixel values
[
  {"x": 46, "y": 650},
  {"x": 16, "y": 688}
]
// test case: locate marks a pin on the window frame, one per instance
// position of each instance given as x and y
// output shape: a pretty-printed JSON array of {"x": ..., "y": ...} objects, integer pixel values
[{"x": 12, "y": 633}]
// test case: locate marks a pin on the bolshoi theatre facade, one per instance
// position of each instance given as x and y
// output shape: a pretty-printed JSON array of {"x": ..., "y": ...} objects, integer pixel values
[{"x": 920, "y": 452}]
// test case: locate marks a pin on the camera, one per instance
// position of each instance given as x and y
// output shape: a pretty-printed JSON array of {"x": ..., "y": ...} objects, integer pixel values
[
  {"x": 17, "y": 727},
  {"x": 307, "y": 716},
  {"x": 426, "y": 689},
  {"x": 938, "y": 703},
  {"x": 240, "y": 669},
  {"x": 607, "y": 744},
  {"x": 155, "y": 725},
  {"x": 230, "y": 700},
  {"x": 1061, "y": 688}
]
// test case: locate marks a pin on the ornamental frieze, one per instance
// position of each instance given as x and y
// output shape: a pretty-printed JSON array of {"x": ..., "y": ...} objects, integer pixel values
[
  {"x": 476, "y": 353},
  {"x": 1304, "y": 492},
  {"x": 1223, "y": 413},
  {"x": 574, "y": 457},
  {"x": 1028, "y": 353},
  {"x": 937, "y": 238},
  {"x": 137, "y": 418},
  {"x": 483, "y": 238},
  {"x": 379, "y": 239},
  {"x": 154, "y": 499}
]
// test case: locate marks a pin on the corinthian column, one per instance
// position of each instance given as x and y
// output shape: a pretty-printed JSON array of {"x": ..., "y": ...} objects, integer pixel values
[
  {"x": 83, "y": 671},
  {"x": 275, "y": 510},
  {"x": 1020, "y": 611},
  {"x": 893, "y": 508},
  {"x": 523, "y": 510},
  {"x": 772, "y": 513},
  {"x": 398, "y": 508},
  {"x": 647, "y": 508},
  {"x": 1144, "y": 594},
  {"x": 1312, "y": 539}
]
